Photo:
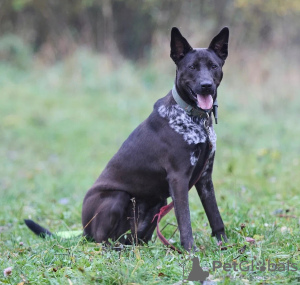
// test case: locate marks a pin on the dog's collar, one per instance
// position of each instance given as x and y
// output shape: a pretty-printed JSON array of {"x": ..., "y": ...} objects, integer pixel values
[{"x": 190, "y": 110}]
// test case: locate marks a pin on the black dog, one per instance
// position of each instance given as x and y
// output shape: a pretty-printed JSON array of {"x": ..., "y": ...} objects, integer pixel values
[{"x": 172, "y": 150}]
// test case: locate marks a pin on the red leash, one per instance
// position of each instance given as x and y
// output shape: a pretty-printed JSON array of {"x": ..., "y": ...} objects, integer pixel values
[{"x": 162, "y": 212}]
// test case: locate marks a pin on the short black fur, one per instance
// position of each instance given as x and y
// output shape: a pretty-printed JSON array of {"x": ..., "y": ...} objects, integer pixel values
[{"x": 163, "y": 157}]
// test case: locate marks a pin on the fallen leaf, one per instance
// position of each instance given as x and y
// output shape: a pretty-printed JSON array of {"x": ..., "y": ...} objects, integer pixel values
[
  {"x": 7, "y": 271},
  {"x": 250, "y": 240},
  {"x": 242, "y": 249}
]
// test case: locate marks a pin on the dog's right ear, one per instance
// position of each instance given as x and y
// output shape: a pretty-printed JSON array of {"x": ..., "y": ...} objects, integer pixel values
[{"x": 179, "y": 45}]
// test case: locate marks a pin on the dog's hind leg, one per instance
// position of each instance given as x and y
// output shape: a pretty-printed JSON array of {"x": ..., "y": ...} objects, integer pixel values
[
  {"x": 104, "y": 215},
  {"x": 148, "y": 231},
  {"x": 144, "y": 225}
]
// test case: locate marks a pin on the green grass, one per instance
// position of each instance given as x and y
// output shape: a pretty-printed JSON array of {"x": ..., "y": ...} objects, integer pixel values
[{"x": 59, "y": 127}]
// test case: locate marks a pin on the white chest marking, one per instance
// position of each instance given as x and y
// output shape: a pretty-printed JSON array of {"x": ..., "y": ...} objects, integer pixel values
[{"x": 191, "y": 128}]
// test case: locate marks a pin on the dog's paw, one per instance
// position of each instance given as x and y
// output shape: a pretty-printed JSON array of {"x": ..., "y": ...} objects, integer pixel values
[
  {"x": 195, "y": 249},
  {"x": 221, "y": 238}
]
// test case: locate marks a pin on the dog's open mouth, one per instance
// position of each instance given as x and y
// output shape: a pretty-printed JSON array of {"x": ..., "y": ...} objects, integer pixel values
[{"x": 204, "y": 101}]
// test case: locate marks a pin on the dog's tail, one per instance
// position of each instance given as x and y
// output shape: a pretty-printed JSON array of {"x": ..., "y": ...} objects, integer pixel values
[{"x": 37, "y": 229}]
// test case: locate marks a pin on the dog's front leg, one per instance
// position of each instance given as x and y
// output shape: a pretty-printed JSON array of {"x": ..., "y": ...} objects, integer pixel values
[
  {"x": 179, "y": 194},
  {"x": 205, "y": 189}
]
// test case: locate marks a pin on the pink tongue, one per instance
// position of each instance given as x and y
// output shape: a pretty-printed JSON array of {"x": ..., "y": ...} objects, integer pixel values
[{"x": 205, "y": 102}]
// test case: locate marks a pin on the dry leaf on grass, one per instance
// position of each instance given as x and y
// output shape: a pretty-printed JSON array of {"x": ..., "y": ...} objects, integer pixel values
[{"x": 7, "y": 271}]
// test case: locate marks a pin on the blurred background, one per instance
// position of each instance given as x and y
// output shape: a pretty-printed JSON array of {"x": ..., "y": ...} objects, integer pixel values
[
  {"x": 76, "y": 77},
  {"x": 264, "y": 42},
  {"x": 54, "y": 29}
]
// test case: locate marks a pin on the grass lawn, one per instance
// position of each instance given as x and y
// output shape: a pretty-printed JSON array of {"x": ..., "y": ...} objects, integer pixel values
[{"x": 59, "y": 127}]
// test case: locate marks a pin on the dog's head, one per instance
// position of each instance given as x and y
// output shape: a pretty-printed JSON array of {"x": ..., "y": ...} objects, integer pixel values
[{"x": 199, "y": 70}]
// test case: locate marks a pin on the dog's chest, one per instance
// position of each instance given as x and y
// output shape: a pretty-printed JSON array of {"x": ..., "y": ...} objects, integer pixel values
[{"x": 191, "y": 128}]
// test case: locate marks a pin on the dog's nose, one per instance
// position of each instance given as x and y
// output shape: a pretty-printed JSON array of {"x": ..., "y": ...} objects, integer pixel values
[{"x": 206, "y": 85}]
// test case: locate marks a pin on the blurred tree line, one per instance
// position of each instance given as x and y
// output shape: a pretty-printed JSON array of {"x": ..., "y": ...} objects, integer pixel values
[{"x": 53, "y": 28}]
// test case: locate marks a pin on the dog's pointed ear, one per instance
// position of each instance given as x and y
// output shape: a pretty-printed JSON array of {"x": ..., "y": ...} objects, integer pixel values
[
  {"x": 179, "y": 45},
  {"x": 219, "y": 43}
]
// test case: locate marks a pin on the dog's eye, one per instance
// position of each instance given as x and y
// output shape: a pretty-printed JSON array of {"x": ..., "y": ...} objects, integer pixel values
[
  {"x": 214, "y": 66},
  {"x": 191, "y": 67}
]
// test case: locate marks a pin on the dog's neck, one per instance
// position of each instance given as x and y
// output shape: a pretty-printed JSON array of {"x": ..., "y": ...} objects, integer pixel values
[{"x": 190, "y": 110}]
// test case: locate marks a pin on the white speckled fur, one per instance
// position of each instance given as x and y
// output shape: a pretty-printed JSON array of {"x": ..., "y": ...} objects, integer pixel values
[
  {"x": 193, "y": 158},
  {"x": 213, "y": 139},
  {"x": 191, "y": 128}
]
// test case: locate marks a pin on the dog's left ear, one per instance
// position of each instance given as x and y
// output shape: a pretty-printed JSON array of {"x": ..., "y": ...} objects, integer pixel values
[
  {"x": 219, "y": 43},
  {"x": 179, "y": 45}
]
